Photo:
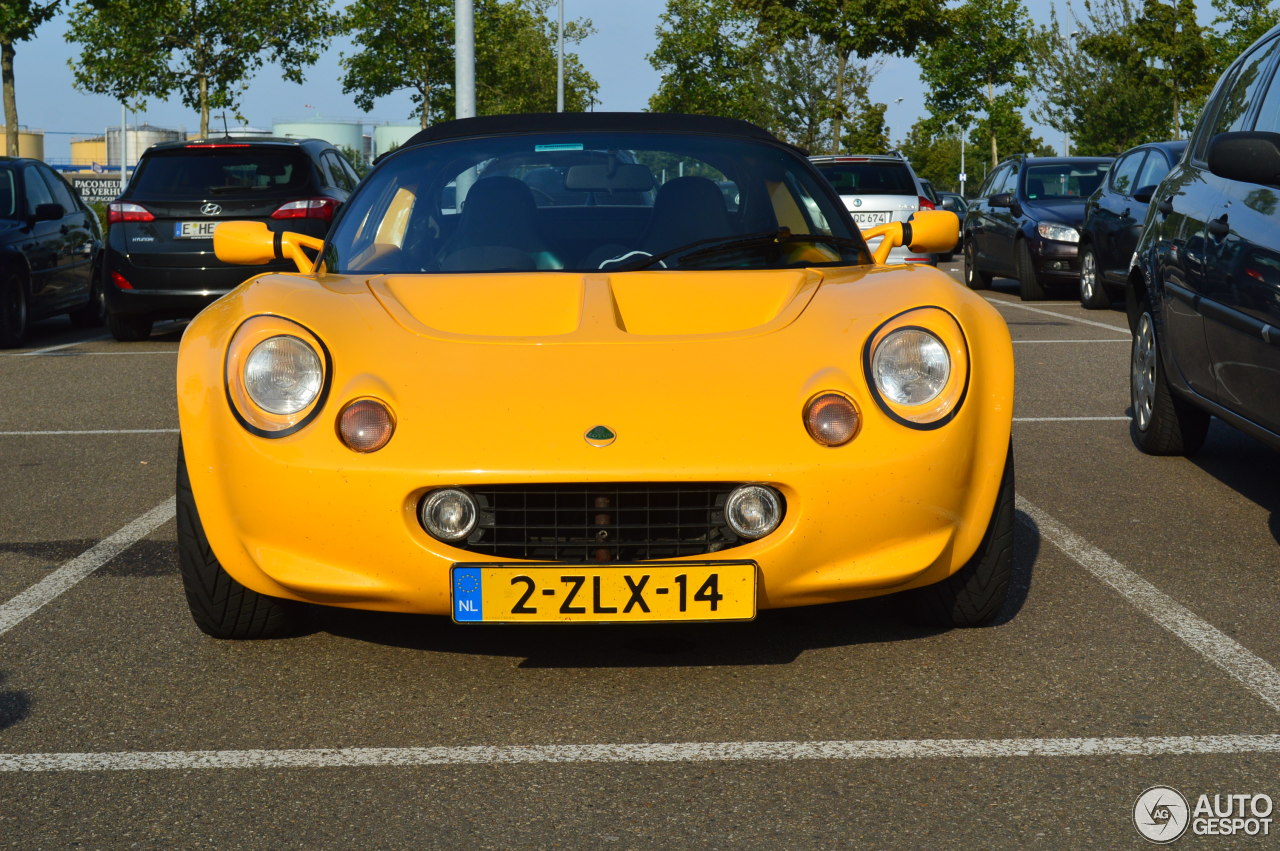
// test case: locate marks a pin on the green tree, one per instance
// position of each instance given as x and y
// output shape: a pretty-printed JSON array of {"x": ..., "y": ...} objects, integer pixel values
[
  {"x": 19, "y": 20},
  {"x": 855, "y": 29},
  {"x": 979, "y": 73},
  {"x": 411, "y": 47},
  {"x": 202, "y": 50},
  {"x": 1239, "y": 24}
]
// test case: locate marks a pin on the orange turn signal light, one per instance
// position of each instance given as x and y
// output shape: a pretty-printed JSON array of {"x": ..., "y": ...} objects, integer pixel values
[
  {"x": 365, "y": 425},
  {"x": 832, "y": 419}
]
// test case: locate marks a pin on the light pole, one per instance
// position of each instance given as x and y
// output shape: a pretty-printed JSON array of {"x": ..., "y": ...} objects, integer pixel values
[
  {"x": 464, "y": 67},
  {"x": 560, "y": 62},
  {"x": 964, "y": 134},
  {"x": 1066, "y": 134}
]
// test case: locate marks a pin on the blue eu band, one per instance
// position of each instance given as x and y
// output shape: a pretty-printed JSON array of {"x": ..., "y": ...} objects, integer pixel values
[{"x": 466, "y": 594}]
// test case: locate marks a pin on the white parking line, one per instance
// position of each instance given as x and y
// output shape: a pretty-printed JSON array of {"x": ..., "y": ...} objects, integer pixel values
[
  {"x": 48, "y": 349},
  {"x": 1030, "y": 342},
  {"x": 1072, "y": 419},
  {"x": 91, "y": 431},
  {"x": 27, "y": 603},
  {"x": 643, "y": 753},
  {"x": 1001, "y": 303},
  {"x": 60, "y": 354},
  {"x": 1252, "y": 671}
]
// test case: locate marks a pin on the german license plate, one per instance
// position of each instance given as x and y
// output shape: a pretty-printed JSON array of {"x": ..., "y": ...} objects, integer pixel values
[
  {"x": 604, "y": 593},
  {"x": 194, "y": 230},
  {"x": 866, "y": 220}
]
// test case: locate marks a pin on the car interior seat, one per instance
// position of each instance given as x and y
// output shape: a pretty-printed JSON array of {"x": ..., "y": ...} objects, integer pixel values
[
  {"x": 498, "y": 231},
  {"x": 686, "y": 210}
]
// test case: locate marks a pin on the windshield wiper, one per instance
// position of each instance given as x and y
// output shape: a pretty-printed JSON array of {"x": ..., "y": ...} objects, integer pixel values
[{"x": 721, "y": 244}]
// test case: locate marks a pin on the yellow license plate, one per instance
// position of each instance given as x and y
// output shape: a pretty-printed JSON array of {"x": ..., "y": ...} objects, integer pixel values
[{"x": 604, "y": 593}]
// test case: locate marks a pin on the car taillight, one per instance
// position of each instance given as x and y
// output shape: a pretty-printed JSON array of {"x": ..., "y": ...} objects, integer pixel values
[
  {"x": 121, "y": 211},
  {"x": 926, "y": 204},
  {"x": 120, "y": 281},
  {"x": 308, "y": 208}
]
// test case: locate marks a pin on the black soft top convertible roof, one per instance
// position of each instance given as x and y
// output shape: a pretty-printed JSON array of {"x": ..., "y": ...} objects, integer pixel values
[{"x": 568, "y": 122}]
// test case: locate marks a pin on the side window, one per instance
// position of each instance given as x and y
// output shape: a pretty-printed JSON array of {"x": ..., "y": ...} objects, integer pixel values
[
  {"x": 995, "y": 183},
  {"x": 1124, "y": 175},
  {"x": 1153, "y": 171},
  {"x": 61, "y": 192},
  {"x": 1009, "y": 180},
  {"x": 1235, "y": 103},
  {"x": 1269, "y": 114},
  {"x": 336, "y": 168},
  {"x": 37, "y": 192}
]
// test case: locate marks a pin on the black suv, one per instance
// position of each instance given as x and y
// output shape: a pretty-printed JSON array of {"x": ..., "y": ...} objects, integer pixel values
[
  {"x": 159, "y": 258},
  {"x": 1113, "y": 219},
  {"x": 1204, "y": 294},
  {"x": 1025, "y": 222}
]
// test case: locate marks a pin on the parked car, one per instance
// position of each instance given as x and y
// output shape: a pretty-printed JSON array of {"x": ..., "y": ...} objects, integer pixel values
[
  {"x": 523, "y": 413},
  {"x": 1025, "y": 222},
  {"x": 50, "y": 250},
  {"x": 954, "y": 203},
  {"x": 159, "y": 259},
  {"x": 1113, "y": 219},
  {"x": 1203, "y": 295},
  {"x": 877, "y": 190}
]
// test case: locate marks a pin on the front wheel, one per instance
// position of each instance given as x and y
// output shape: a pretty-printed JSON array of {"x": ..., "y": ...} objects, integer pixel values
[
  {"x": 974, "y": 278},
  {"x": 220, "y": 605},
  {"x": 129, "y": 329},
  {"x": 1163, "y": 424},
  {"x": 975, "y": 594},
  {"x": 1032, "y": 288},
  {"x": 1093, "y": 295},
  {"x": 93, "y": 314},
  {"x": 13, "y": 310}
]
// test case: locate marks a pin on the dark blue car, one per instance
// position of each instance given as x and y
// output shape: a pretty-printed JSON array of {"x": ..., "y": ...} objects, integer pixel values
[{"x": 1113, "y": 219}]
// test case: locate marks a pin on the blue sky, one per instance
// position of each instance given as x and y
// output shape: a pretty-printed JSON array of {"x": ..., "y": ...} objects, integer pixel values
[{"x": 615, "y": 55}]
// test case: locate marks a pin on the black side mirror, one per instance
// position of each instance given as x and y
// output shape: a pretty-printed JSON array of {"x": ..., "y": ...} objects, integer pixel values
[
  {"x": 1144, "y": 194},
  {"x": 48, "y": 212},
  {"x": 1249, "y": 157},
  {"x": 1004, "y": 199}
]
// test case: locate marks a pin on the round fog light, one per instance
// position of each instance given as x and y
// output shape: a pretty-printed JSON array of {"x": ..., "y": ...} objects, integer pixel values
[
  {"x": 448, "y": 514},
  {"x": 365, "y": 425},
  {"x": 753, "y": 511},
  {"x": 831, "y": 419}
]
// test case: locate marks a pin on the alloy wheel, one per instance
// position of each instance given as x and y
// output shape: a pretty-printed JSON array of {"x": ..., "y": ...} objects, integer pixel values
[{"x": 1143, "y": 372}]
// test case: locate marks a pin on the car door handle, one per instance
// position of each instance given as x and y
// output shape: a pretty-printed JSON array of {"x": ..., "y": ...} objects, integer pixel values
[
  {"x": 1165, "y": 207},
  {"x": 1218, "y": 228}
]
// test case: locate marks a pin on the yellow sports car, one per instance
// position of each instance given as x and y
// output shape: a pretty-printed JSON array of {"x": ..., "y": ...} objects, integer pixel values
[{"x": 605, "y": 368}]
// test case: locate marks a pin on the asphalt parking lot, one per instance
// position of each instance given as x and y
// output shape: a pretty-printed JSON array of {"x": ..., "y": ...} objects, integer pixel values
[{"x": 1140, "y": 649}]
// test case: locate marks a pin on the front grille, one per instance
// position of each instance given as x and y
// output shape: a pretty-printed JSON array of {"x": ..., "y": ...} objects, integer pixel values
[{"x": 595, "y": 522}]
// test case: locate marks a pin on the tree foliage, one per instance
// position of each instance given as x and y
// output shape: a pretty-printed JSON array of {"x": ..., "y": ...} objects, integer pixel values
[
  {"x": 715, "y": 60},
  {"x": 204, "y": 51},
  {"x": 19, "y": 20},
  {"x": 979, "y": 74},
  {"x": 410, "y": 47}
]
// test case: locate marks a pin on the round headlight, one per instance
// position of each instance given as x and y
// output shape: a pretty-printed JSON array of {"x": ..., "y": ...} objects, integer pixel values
[
  {"x": 911, "y": 366},
  {"x": 753, "y": 511},
  {"x": 282, "y": 375},
  {"x": 365, "y": 425},
  {"x": 832, "y": 419},
  {"x": 448, "y": 514}
]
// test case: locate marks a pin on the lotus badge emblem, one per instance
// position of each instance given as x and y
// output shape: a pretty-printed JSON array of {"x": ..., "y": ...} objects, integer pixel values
[{"x": 601, "y": 436}]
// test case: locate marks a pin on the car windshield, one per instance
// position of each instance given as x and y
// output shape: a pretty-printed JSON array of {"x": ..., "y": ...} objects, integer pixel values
[
  {"x": 587, "y": 201},
  {"x": 870, "y": 178},
  {"x": 200, "y": 171},
  {"x": 8, "y": 195},
  {"x": 1057, "y": 181}
]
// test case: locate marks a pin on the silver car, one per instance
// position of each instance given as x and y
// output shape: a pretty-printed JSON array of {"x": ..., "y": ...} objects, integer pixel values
[{"x": 878, "y": 189}]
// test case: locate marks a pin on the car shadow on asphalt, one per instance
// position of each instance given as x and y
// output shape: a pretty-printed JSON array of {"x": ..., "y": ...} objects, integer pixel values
[
  {"x": 1245, "y": 465},
  {"x": 14, "y": 705},
  {"x": 775, "y": 637}
]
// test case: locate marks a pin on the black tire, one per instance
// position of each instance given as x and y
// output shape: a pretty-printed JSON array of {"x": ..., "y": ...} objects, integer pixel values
[
  {"x": 976, "y": 593},
  {"x": 129, "y": 329},
  {"x": 13, "y": 309},
  {"x": 1031, "y": 287},
  {"x": 220, "y": 605},
  {"x": 1093, "y": 292},
  {"x": 1163, "y": 423},
  {"x": 93, "y": 314},
  {"x": 974, "y": 278}
]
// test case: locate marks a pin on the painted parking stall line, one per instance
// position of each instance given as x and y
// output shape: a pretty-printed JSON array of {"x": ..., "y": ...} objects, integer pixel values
[
  {"x": 89, "y": 431},
  {"x": 1001, "y": 303},
  {"x": 689, "y": 752},
  {"x": 1251, "y": 670},
  {"x": 27, "y": 603}
]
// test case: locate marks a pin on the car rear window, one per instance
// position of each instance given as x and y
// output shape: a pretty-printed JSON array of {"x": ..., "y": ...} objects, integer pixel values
[
  {"x": 1063, "y": 180},
  {"x": 871, "y": 178},
  {"x": 204, "y": 171}
]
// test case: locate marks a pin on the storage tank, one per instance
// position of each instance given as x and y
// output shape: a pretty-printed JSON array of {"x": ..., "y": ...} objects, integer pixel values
[
  {"x": 388, "y": 136},
  {"x": 137, "y": 139},
  {"x": 341, "y": 134},
  {"x": 86, "y": 152},
  {"x": 30, "y": 142}
]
